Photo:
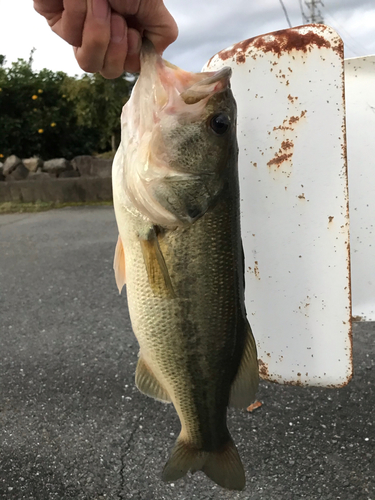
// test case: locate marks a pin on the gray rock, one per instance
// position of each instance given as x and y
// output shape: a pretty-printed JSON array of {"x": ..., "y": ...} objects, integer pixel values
[
  {"x": 78, "y": 189},
  {"x": 18, "y": 174},
  {"x": 89, "y": 166},
  {"x": 69, "y": 173},
  {"x": 82, "y": 164},
  {"x": 33, "y": 164},
  {"x": 10, "y": 164},
  {"x": 38, "y": 176},
  {"x": 56, "y": 166}
]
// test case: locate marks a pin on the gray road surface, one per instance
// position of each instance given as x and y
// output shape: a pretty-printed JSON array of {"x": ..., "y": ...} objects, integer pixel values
[{"x": 72, "y": 424}]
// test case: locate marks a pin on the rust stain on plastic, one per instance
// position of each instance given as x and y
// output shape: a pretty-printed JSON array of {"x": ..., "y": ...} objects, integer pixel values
[
  {"x": 278, "y": 42},
  {"x": 287, "y": 144},
  {"x": 340, "y": 51},
  {"x": 295, "y": 119},
  {"x": 264, "y": 374},
  {"x": 279, "y": 159},
  {"x": 291, "y": 382},
  {"x": 238, "y": 50},
  {"x": 300, "y": 39},
  {"x": 241, "y": 58},
  {"x": 357, "y": 318},
  {"x": 289, "y": 122},
  {"x": 282, "y": 127},
  {"x": 283, "y": 153},
  {"x": 278, "y": 379},
  {"x": 343, "y": 384},
  {"x": 263, "y": 369},
  {"x": 292, "y": 99},
  {"x": 256, "y": 270},
  {"x": 288, "y": 40}
]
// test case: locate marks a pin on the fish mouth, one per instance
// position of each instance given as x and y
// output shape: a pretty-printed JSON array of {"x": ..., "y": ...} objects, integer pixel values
[
  {"x": 173, "y": 86},
  {"x": 164, "y": 100}
]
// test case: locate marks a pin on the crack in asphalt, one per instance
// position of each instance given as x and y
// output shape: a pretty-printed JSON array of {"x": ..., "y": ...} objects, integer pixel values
[{"x": 123, "y": 455}]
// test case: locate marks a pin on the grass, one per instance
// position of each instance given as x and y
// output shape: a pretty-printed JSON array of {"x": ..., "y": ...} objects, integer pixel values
[{"x": 11, "y": 207}]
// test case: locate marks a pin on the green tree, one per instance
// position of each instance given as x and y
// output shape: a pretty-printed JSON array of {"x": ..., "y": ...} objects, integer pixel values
[
  {"x": 98, "y": 103},
  {"x": 51, "y": 114}
]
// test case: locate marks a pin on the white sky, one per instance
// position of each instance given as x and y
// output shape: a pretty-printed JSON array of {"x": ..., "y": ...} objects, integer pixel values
[{"x": 206, "y": 26}]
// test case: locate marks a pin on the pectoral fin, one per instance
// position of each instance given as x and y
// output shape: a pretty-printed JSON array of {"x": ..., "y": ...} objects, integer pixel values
[
  {"x": 157, "y": 271},
  {"x": 119, "y": 265},
  {"x": 146, "y": 382},
  {"x": 245, "y": 384}
]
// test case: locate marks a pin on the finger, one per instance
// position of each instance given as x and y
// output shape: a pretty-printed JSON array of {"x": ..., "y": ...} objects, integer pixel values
[
  {"x": 48, "y": 8},
  {"x": 66, "y": 19},
  {"x": 132, "y": 62},
  {"x": 96, "y": 36},
  {"x": 117, "y": 49},
  {"x": 72, "y": 21},
  {"x": 126, "y": 7},
  {"x": 158, "y": 24}
]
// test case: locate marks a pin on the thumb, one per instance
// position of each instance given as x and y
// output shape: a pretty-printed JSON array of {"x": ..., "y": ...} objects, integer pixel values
[
  {"x": 151, "y": 18},
  {"x": 159, "y": 25}
]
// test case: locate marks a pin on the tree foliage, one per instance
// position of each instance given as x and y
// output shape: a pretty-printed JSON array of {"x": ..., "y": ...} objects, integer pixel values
[{"x": 54, "y": 115}]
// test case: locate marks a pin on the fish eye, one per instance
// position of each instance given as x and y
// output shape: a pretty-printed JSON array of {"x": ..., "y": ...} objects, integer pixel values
[{"x": 220, "y": 123}]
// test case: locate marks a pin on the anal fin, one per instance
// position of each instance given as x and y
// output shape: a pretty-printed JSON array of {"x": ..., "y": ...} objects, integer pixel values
[
  {"x": 147, "y": 383},
  {"x": 119, "y": 265},
  {"x": 245, "y": 384},
  {"x": 157, "y": 271}
]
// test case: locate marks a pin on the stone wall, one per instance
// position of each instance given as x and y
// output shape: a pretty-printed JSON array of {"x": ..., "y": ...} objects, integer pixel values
[
  {"x": 78, "y": 189},
  {"x": 84, "y": 179}
]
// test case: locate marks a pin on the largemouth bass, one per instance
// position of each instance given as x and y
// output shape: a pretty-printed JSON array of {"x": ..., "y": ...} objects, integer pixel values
[{"x": 176, "y": 199}]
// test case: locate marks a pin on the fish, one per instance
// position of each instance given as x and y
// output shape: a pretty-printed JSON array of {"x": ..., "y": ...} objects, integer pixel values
[{"x": 179, "y": 251}]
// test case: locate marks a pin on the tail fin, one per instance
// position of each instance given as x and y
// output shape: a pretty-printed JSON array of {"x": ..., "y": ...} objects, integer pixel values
[{"x": 224, "y": 467}]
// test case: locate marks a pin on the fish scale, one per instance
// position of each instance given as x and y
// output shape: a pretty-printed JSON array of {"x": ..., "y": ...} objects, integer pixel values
[
  {"x": 181, "y": 331},
  {"x": 184, "y": 274}
]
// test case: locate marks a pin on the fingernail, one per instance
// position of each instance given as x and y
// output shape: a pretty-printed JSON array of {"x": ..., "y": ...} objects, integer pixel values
[
  {"x": 117, "y": 28},
  {"x": 100, "y": 9},
  {"x": 134, "y": 42}
]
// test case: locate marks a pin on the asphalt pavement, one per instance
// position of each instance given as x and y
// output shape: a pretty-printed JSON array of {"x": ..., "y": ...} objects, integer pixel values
[{"x": 72, "y": 423}]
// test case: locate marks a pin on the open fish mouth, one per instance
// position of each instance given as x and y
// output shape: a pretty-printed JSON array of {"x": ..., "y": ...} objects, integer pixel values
[
  {"x": 173, "y": 87},
  {"x": 165, "y": 100}
]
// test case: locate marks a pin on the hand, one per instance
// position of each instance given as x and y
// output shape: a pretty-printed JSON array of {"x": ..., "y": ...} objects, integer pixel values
[{"x": 107, "y": 34}]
